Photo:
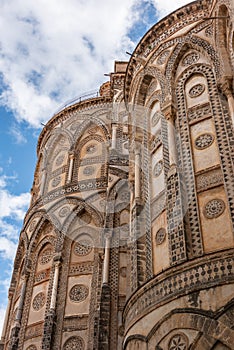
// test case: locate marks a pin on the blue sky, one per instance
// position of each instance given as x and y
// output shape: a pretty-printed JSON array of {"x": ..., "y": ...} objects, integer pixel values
[{"x": 50, "y": 52}]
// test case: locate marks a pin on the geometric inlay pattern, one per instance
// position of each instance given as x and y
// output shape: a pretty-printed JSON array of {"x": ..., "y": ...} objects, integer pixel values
[
  {"x": 83, "y": 247},
  {"x": 191, "y": 58},
  {"x": 46, "y": 256},
  {"x": 196, "y": 90},
  {"x": 203, "y": 141},
  {"x": 178, "y": 342},
  {"x": 74, "y": 343},
  {"x": 78, "y": 293},
  {"x": 158, "y": 168},
  {"x": 163, "y": 57},
  {"x": 214, "y": 208},
  {"x": 39, "y": 301},
  {"x": 160, "y": 236}
]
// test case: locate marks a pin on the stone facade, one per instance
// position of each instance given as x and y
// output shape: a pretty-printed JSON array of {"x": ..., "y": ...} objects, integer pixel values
[{"x": 128, "y": 242}]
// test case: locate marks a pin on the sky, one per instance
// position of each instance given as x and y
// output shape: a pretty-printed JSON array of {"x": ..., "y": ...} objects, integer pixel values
[{"x": 52, "y": 51}]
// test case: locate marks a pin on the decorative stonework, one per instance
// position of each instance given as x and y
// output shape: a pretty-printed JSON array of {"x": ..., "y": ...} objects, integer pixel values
[
  {"x": 91, "y": 149},
  {"x": 56, "y": 181},
  {"x": 191, "y": 58},
  {"x": 39, "y": 301},
  {"x": 42, "y": 276},
  {"x": 214, "y": 208},
  {"x": 64, "y": 211},
  {"x": 125, "y": 196},
  {"x": 178, "y": 342},
  {"x": 158, "y": 168},
  {"x": 81, "y": 268},
  {"x": 31, "y": 347},
  {"x": 88, "y": 170},
  {"x": 83, "y": 247},
  {"x": 209, "y": 31},
  {"x": 155, "y": 118},
  {"x": 196, "y": 90},
  {"x": 209, "y": 179},
  {"x": 32, "y": 225},
  {"x": 163, "y": 57},
  {"x": 160, "y": 236},
  {"x": 78, "y": 293},
  {"x": 45, "y": 256},
  {"x": 74, "y": 343},
  {"x": 59, "y": 160},
  {"x": 93, "y": 130},
  {"x": 204, "y": 141}
]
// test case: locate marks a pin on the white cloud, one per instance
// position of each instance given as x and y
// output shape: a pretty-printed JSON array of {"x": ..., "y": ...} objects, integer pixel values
[
  {"x": 52, "y": 51},
  {"x": 16, "y": 132},
  {"x": 12, "y": 210},
  {"x": 165, "y": 7}
]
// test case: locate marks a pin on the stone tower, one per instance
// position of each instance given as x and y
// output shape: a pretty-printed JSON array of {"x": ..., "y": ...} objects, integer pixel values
[{"x": 128, "y": 242}]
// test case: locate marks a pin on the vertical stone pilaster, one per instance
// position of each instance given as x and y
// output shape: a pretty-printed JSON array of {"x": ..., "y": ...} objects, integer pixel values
[
  {"x": 51, "y": 313},
  {"x": 70, "y": 169}
]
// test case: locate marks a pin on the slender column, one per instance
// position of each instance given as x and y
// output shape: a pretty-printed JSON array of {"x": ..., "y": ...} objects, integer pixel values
[
  {"x": 42, "y": 185},
  {"x": 70, "y": 170},
  {"x": 10, "y": 296},
  {"x": 170, "y": 114},
  {"x": 226, "y": 87},
  {"x": 137, "y": 174},
  {"x": 106, "y": 263},
  {"x": 114, "y": 136},
  {"x": 55, "y": 285},
  {"x": 21, "y": 302}
]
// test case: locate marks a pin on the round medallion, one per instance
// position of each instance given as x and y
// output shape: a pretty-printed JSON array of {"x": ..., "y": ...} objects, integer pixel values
[
  {"x": 59, "y": 160},
  {"x": 64, "y": 211},
  {"x": 160, "y": 236},
  {"x": 178, "y": 342},
  {"x": 91, "y": 149},
  {"x": 74, "y": 343},
  {"x": 214, "y": 208},
  {"x": 155, "y": 118},
  {"x": 56, "y": 181},
  {"x": 45, "y": 256},
  {"x": 196, "y": 90},
  {"x": 203, "y": 141},
  {"x": 31, "y": 347},
  {"x": 39, "y": 301},
  {"x": 123, "y": 271},
  {"x": 78, "y": 293},
  {"x": 158, "y": 168},
  {"x": 83, "y": 247},
  {"x": 32, "y": 225},
  {"x": 88, "y": 170},
  {"x": 163, "y": 57},
  {"x": 191, "y": 58}
]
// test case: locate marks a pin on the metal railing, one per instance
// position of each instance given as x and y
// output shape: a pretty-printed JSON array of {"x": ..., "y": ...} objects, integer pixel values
[{"x": 87, "y": 96}]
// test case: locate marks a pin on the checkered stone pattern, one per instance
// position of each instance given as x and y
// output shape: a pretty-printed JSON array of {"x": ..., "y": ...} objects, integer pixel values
[
  {"x": 176, "y": 231},
  {"x": 146, "y": 194},
  {"x": 193, "y": 229}
]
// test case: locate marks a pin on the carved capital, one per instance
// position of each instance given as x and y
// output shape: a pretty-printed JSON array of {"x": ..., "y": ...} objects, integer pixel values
[
  {"x": 225, "y": 85},
  {"x": 169, "y": 111}
]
